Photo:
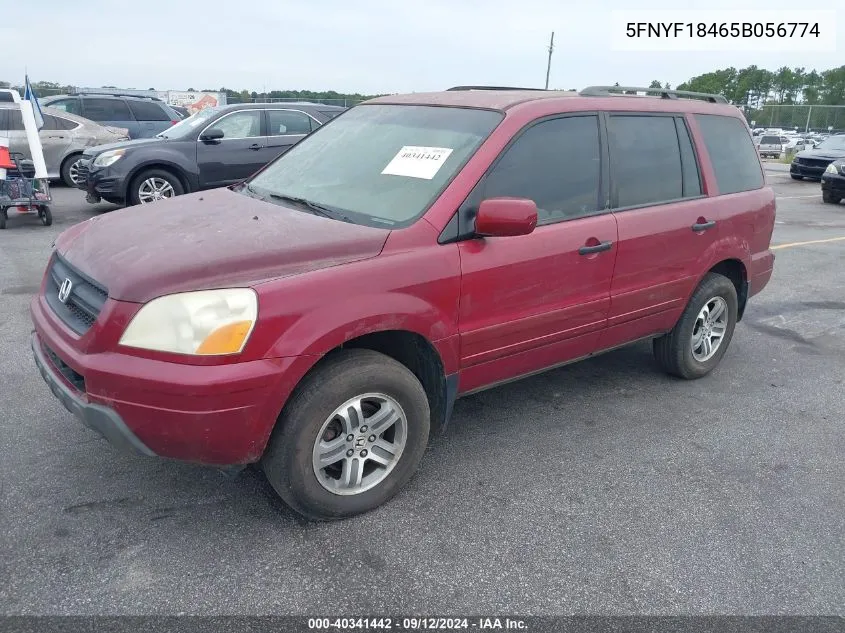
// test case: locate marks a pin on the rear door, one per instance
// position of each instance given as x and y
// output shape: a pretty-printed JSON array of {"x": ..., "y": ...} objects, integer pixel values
[
  {"x": 151, "y": 117},
  {"x": 56, "y": 140},
  {"x": 114, "y": 112},
  {"x": 666, "y": 225},
  {"x": 285, "y": 128},
  {"x": 537, "y": 300},
  {"x": 236, "y": 156}
]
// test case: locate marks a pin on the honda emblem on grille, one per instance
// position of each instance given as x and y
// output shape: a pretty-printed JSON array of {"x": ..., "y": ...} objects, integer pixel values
[{"x": 64, "y": 290}]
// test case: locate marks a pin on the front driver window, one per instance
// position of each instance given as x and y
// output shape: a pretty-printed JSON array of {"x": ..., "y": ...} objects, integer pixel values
[{"x": 246, "y": 124}]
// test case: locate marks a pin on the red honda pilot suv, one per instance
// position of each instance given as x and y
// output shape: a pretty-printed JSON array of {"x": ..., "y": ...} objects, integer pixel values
[{"x": 322, "y": 317}]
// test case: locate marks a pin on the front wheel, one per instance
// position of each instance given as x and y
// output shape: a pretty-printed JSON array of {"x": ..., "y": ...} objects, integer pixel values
[
  {"x": 701, "y": 336},
  {"x": 794, "y": 177},
  {"x": 153, "y": 185},
  {"x": 830, "y": 197},
  {"x": 350, "y": 437}
]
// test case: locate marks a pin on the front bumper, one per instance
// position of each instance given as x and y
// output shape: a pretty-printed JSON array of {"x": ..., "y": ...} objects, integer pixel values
[
  {"x": 211, "y": 414},
  {"x": 834, "y": 183},
  {"x": 101, "y": 182},
  {"x": 807, "y": 171}
]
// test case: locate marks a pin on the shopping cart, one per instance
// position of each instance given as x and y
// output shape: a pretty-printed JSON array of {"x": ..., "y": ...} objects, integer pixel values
[{"x": 22, "y": 194}]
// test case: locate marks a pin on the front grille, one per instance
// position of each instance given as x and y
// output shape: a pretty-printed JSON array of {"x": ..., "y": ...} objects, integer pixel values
[
  {"x": 82, "y": 167},
  {"x": 73, "y": 377},
  {"x": 82, "y": 306},
  {"x": 820, "y": 163}
]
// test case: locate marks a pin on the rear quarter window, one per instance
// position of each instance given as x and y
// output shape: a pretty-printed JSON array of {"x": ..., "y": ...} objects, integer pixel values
[{"x": 732, "y": 153}]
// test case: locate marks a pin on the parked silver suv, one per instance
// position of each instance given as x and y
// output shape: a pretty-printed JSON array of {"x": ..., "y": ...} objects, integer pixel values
[
  {"x": 63, "y": 138},
  {"x": 770, "y": 145}
]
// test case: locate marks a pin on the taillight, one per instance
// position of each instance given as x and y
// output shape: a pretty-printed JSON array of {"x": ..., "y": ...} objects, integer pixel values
[{"x": 174, "y": 122}]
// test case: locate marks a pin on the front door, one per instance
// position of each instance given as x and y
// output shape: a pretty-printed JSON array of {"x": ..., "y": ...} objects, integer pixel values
[
  {"x": 238, "y": 155},
  {"x": 666, "y": 225},
  {"x": 534, "y": 301}
]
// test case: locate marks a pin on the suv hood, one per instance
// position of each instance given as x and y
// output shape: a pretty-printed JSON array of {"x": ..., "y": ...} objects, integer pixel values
[
  {"x": 212, "y": 239},
  {"x": 831, "y": 154},
  {"x": 138, "y": 142}
]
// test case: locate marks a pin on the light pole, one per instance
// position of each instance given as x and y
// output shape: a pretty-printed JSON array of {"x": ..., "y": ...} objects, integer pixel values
[{"x": 549, "y": 64}]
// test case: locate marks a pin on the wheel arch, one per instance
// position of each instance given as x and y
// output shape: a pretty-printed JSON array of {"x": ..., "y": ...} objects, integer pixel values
[{"x": 735, "y": 270}]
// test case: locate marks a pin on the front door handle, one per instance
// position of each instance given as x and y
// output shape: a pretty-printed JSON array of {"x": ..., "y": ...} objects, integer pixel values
[
  {"x": 598, "y": 248},
  {"x": 703, "y": 226},
  {"x": 255, "y": 146}
]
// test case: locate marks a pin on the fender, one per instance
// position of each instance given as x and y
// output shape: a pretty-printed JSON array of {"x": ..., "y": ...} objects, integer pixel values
[
  {"x": 340, "y": 322},
  {"x": 171, "y": 160}
]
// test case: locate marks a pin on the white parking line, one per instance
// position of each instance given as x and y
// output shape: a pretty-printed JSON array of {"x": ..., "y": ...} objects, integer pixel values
[{"x": 815, "y": 195}]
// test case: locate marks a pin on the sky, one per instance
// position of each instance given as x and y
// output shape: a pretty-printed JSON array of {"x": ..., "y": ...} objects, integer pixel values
[{"x": 364, "y": 46}]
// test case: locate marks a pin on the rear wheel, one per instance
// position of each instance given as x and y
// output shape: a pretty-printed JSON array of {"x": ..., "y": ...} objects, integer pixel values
[
  {"x": 701, "y": 336},
  {"x": 2, "y": 217},
  {"x": 830, "y": 197},
  {"x": 153, "y": 185},
  {"x": 70, "y": 170},
  {"x": 350, "y": 437}
]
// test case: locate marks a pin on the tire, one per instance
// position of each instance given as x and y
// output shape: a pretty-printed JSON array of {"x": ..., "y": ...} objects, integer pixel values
[
  {"x": 830, "y": 198},
  {"x": 155, "y": 176},
  {"x": 674, "y": 350},
  {"x": 46, "y": 215},
  {"x": 794, "y": 177},
  {"x": 288, "y": 462},
  {"x": 66, "y": 169},
  {"x": 2, "y": 218}
]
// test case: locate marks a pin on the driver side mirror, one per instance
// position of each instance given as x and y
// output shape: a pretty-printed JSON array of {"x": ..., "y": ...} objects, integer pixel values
[
  {"x": 214, "y": 134},
  {"x": 505, "y": 217}
]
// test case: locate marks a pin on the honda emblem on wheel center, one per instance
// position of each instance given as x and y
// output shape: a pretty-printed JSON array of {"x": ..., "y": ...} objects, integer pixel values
[
  {"x": 360, "y": 442},
  {"x": 64, "y": 290}
]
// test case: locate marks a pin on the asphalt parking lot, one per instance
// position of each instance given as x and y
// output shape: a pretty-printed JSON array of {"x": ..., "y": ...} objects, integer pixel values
[{"x": 603, "y": 487}]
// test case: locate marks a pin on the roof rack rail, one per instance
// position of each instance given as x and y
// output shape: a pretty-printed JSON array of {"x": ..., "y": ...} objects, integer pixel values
[
  {"x": 490, "y": 88},
  {"x": 100, "y": 93},
  {"x": 606, "y": 91}
]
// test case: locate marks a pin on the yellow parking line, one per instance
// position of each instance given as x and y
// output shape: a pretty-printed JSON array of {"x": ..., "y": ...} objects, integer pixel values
[{"x": 791, "y": 244}]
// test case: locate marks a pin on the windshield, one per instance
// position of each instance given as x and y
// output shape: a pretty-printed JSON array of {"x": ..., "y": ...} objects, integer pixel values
[
  {"x": 380, "y": 165},
  {"x": 188, "y": 125},
  {"x": 833, "y": 142}
]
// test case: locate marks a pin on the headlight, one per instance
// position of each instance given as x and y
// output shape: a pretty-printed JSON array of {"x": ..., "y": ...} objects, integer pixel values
[
  {"x": 109, "y": 158},
  {"x": 207, "y": 322},
  {"x": 831, "y": 169}
]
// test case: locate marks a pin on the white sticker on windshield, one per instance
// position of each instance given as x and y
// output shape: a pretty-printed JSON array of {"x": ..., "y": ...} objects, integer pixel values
[{"x": 417, "y": 162}]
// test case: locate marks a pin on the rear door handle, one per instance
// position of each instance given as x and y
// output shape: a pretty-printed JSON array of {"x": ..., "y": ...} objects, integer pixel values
[
  {"x": 598, "y": 248},
  {"x": 255, "y": 146},
  {"x": 703, "y": 226}
]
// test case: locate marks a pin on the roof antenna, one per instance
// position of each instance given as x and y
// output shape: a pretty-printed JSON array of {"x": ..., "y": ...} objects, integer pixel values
[{"x": 549, "y": 65}]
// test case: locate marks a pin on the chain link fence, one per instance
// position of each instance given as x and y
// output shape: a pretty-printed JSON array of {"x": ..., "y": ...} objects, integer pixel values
[{"x": 804, "y": 118}]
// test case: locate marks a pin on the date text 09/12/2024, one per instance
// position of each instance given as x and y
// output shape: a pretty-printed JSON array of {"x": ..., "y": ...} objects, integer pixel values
[
  {"x": 416, "y": 624},
  {"x": 723, "y": 29}
]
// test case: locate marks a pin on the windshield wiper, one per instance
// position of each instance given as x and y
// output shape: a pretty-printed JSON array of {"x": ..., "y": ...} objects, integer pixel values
[{"x": 316, "y": 208}]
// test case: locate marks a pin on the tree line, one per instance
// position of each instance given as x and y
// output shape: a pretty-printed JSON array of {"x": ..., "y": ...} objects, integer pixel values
[{"x": 750, "y": 88}]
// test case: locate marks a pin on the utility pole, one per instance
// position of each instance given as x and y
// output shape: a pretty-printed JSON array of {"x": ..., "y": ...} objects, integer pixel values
[{"x": 549, "y": 65}]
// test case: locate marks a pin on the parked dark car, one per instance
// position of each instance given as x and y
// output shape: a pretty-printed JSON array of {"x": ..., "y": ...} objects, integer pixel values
[
  {"x": 833, "y": 182},
  {"x": 811, "y": 163},
  {"x": 322, "y": 317},
  {"x": 183, "y": 112},
  {"x": 215, "y": 147},
  {"x": 144, "y": 117}
]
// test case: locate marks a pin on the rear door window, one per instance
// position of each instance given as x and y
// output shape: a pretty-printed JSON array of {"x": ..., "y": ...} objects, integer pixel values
[
  {"x": 68, "y": 105},
  {"x": 106, "y": 110},
  {"x": 281, "y": 122},
  {"x": 148, "y": 111},
  {"x": 732, "y": 153},
  {"x": 646, "y": 165}
]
